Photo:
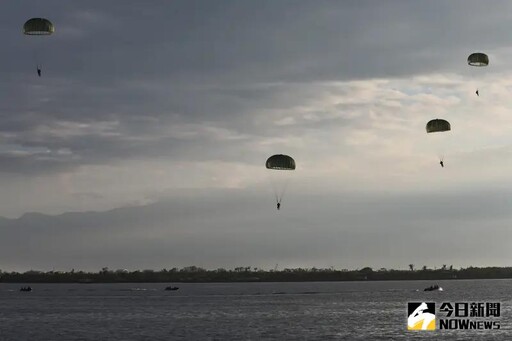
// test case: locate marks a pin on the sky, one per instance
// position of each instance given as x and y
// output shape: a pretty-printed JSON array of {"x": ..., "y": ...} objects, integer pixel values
[{"x": 152, "y": 122}]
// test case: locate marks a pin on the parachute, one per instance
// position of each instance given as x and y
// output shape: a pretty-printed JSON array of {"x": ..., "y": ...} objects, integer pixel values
[
  {"x": 439, "y": 126},
  {"x": 279, "y": 164},
  {"x": 38, "y": 27},
  {"x": 478, "y": 59}
]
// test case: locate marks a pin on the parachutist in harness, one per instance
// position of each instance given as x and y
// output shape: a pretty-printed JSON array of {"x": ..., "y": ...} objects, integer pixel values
[
  {"x": 38, "y": 27},
  {"x": 478, "y": 59},
  {"x": 280, "y": 164},
  {"x": 438, "y": 126}
]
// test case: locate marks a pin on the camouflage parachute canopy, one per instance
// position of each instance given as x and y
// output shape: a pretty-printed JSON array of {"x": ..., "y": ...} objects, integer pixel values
[
  {"x": 38, "y": 27},
  {"x": 280, "y": 162},
  {"x": 438, "y": 125},
  {"x": 478, "y": 59}
]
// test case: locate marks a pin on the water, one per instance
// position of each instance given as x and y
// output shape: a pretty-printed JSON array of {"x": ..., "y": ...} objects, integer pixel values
[{"x": 237, "y": 311}]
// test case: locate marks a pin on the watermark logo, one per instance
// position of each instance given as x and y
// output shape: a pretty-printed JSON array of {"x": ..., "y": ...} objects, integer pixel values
[
  {"x": 454, "y": 316},
  {"x": 422, "y": 316},
  {"x": 470, "y": 315}
]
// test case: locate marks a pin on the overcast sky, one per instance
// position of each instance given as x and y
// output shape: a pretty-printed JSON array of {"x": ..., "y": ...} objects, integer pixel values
[{"x": 177, "y": 104}]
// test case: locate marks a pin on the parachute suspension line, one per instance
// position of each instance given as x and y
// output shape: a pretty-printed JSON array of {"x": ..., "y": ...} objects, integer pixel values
[
  {"x": 37, "y": 59},
  {"x": 40, "y": 56},
  {"x": 279, "y": 186},
  {"x": 285, "y": 187},
  {"x": 275, "y": 190},
  {"x": 441, "y": 153}
]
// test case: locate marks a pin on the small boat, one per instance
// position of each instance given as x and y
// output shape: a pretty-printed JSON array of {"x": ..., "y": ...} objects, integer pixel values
[
  {"x": 433, "y": 288},
  {"x": 25, "y": 289},
  {"x": 171, "y": 288}
]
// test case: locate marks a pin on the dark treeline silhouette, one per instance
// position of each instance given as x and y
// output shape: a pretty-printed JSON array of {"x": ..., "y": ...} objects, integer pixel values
[{"x": 249, "y": 274}]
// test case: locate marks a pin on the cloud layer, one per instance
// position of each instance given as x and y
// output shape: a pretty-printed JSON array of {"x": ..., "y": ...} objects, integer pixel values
[{"x": 139, "y": 102}]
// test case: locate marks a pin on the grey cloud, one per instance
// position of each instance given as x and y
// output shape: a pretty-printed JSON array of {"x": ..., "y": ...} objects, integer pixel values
[
  {"x": 198, "y": 62},
  {"x": 319, "y": 229}
]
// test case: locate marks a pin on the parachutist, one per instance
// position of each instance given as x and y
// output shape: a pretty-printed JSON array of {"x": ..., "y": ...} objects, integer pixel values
[
  {"x": 478, "y": 59},
  {"x": 38, "y": 27},
  {"x": 280, "y": 163},
  {"x": 438, "y": 126}
]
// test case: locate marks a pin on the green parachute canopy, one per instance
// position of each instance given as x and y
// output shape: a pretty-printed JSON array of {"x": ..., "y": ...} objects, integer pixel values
[
  {"x": 478, "y": 59},
  {"x": 438, "y": 125},
  {"x": 38, "y": 27},
  {"x": 280, "y": 162}
]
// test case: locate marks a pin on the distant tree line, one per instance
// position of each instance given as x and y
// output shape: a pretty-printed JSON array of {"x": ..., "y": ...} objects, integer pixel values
[{"x": 251, "y": 274}]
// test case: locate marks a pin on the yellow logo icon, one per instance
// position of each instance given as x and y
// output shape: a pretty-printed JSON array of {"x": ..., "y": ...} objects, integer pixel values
[{"x": 421, "y": 316}]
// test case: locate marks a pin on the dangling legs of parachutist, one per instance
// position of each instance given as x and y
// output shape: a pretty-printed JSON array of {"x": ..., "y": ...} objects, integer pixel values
[
  {"x": 476, "y": 92},
  {"x": 441, "y": 163},
  {"x": 278, "y": 206},
  {"x": 38, "y": 71}
]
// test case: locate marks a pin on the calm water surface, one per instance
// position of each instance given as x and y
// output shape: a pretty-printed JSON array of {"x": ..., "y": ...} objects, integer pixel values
[{"x": 238, "y": 311}]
